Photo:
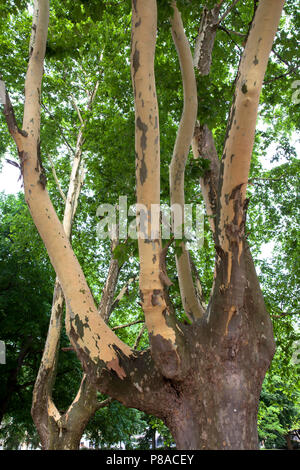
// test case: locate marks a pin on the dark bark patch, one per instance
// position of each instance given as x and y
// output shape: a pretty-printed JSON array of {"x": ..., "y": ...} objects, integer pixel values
[
  {"x": 143, "y": 222},
  {"x": 154, "y": 300},
  {"x": 143, "y": 168},
  {"x": 235, "y": 191},
  {"x": 143, "y": 128},
  {"x": 166, "y": 356},
  {"x": 80, "y": 326},
  {"x": 156, "y": 297},
  {"x": 244, "y": 88},
  {"x": 256, "y": 61},
  {"x": 136, "y": 60},
  {"x": 143, "y": 172}
]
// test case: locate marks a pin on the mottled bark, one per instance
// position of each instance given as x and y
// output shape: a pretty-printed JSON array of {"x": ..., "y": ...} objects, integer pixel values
[
  {"x": 190, "y": 301},
  {"x": 166, "y": 339},
  {"x": 86, "y": 329},
  {"x": 204, "y": 147},
  {"x": 206, "y": 39},
  {"x": 239, "y": 141}
]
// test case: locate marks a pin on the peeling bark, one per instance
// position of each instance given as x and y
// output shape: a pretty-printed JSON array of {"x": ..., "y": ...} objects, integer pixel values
[
  {"x": 238, "y": 146},
  {"x": 192, "y": 305},
  {"x": 166, "y": 340},
  {"x": 206, "y": 39},
  {"x": 85, "y": 337}
]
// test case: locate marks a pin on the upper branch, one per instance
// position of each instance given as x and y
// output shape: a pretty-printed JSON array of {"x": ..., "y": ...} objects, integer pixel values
[
  {"x": 165, "y": 338},
  {"x": 204, "y": 147},
  {"x": 241, "y": 127},
  {"x": 226, "y": 13},
  {"x": 206, "y": 39},
  {"x": 191, "y": 304}
]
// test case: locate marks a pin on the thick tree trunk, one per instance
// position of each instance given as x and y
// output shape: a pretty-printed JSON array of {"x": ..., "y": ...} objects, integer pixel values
[
  {"x": 64, "y": 441},
  {"x": 215, "y": 406},
  {"x": 219, "y": 412},
  {"x": 288, "y": 441}
]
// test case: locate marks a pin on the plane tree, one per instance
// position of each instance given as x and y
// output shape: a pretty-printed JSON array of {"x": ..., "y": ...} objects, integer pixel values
[{"x": 207, "y": 357}]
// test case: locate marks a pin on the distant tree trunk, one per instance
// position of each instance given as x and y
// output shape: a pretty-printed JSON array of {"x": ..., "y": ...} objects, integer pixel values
[
  {"x": 154, "y": 439},
  {"x": 288, "y": 441},
  {"x": 12, "y": 383}
]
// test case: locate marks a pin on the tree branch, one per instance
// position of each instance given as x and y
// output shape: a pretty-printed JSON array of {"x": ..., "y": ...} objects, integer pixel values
[
  {"x": 228, "y": 11},
  {"x": 229, "y": 32},
  {"x": 121, "y": 294},
  {"x": 104, "y": 403},
  {"x": 127, "y": 324},
  {"x": 191, "y": 304},
  {"x": 204, "y": 147},
  {"x": 203, "y": 143},
  {"x": 206, "y": 39},
  {"x": 139, "y": 337},
  {"x": 62, "y": 131},
  {"x": 167, "y": 342},
  {"x": 76, "y": 291},
  {"x": 241, "y": 129},
  {"x": 57, "y": 180}
]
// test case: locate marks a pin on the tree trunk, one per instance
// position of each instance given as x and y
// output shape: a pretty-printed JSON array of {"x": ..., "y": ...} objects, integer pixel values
[
  {"x": 65, "y": 441},
  {"x": 218, "y": 411},
  {"x": 288, "y": 441}
]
